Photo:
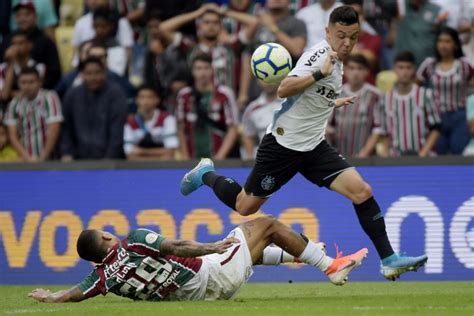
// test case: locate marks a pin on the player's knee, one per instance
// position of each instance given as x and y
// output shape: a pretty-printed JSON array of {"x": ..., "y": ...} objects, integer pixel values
[
  {"x": 362, "y": 193},
  {"x": 246, "y": 209}
]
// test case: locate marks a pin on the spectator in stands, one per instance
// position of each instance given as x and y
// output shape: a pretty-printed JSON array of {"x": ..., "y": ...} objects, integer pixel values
[
  {"x": 409, "y": 115},
  {"x": 297, "y": 5},
  {"x": 7, "y": 153},
  {"x": 44, "y": 49},
  {"x": 44, "y": 11},
  {"x": 17, "y": 57},
  {"x": 449, "y": 73},
  {"x": 369, "y": 43},
  {"x": 207, "y": 115},
  {"x": 105, "y": 23},
  {"x": 256, "y": 118},
  {"x": 133, "y": 10},
  {"x": 84, "y": 28},
  {"x": 209, "y": 26},
  {"x": 353, "y": 125},
  {"x": 94, "y": 115},
  {"x": 316, "y": 18},
  {"x": 163, "y": 63},
  {"x": 74, "y": 78},
  {"x": 151, "y": 133},
  {"x": 416, "y": 28},
  {"x": 469, "y": 150},
  {"x": 33, "y": 118}
]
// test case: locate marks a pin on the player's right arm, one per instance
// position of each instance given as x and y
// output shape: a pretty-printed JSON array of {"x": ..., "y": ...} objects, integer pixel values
[
  {"x": 46, "y": 296},
  {"x": 305, "y": 74}
]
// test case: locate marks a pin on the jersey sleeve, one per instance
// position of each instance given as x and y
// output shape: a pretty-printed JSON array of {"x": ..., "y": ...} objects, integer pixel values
[
  {"x": 92, "y": 285},
  {"x": 145, "y": 240},
  {"x": 433, "y": 119},
  {"x": 53, "y": 106},
  {"x": 230, "y": 107},
  {"x": 310, "y": 61},
  {"x": 422, "y": 73},
  {"x": 11, "y": 118},
  {"x": 380, "y": 118}
]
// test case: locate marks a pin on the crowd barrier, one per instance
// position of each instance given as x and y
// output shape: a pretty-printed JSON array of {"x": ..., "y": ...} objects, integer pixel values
[{"x": 428, "y": 207}]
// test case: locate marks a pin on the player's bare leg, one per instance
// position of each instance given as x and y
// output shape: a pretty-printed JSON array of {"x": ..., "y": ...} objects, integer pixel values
[
  {"x": 350, "y": 184},
  {"x": 247, "y": 204},
  {"x": 266, "y": 230}
]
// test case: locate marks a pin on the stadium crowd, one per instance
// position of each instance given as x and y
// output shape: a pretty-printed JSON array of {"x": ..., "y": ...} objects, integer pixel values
[{"x": 171, "y": 79}]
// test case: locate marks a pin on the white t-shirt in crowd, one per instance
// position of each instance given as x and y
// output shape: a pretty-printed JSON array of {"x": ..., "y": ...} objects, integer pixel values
[
  {"x": 301, "y": 122},
  {"x": 84, "y": 31},
  {"x": 316, "y": 20}
]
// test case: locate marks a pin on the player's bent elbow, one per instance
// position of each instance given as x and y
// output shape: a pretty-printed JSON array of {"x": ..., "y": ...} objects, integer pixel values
[{"x": 283, "y": 92}]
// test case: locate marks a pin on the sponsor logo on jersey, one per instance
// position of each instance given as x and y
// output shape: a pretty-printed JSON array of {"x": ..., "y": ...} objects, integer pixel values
[
  {"x": 326, "y": 92},
  {"x": 113, "y": 268},
  {"x": 268, "y": 183},
  {"x": 316, "y": 55}
]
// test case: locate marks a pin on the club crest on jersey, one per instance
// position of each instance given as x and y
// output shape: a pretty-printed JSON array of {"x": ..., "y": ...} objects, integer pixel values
[{"x": 268, "y": 183}]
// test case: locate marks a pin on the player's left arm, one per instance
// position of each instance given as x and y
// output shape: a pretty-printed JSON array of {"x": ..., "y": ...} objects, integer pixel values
[
  {"x": 71, "y": 295},
  {"x": 190, "y": 248}
]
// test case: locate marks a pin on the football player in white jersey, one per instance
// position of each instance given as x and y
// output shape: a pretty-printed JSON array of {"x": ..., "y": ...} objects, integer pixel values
[{"x": 295, "y": 143}]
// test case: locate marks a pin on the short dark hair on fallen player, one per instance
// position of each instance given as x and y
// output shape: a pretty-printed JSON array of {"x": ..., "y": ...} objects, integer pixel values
[
  {"x": 202, "y": 57},
  {"x": 345, "y": 15},
  {"x": 148, "y": 87},
  {"x": 358, "y": 59},
  {"x": 29, "y": 71},
  {"x": 91, "y": 60},
  {"x": 88, "y": 246},
  {"x": 407, "y": 57},
  {"x": 353, "y": 2}
]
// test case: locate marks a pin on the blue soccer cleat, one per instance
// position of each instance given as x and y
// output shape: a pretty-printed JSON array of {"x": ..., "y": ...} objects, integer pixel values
[
  {"x": 193, "y": 179},
  {"x": 396, "y": 265}
]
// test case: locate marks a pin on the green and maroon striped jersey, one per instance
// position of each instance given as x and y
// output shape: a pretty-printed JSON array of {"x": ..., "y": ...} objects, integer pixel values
[
  {"x": 354, "y": 123},
  {"x": 32, "y": 118},
  {"x": 135, "y": 268},
  {"x": 408, "y": 119},
  {"x": 450, "y": 87}
]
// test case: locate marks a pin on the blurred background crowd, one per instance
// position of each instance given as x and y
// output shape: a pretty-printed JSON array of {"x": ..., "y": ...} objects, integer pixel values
[{"x": 171, "y": 79}]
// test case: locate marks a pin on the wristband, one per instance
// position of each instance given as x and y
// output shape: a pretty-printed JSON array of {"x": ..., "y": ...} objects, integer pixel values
[{"x": 318, "y": 75}]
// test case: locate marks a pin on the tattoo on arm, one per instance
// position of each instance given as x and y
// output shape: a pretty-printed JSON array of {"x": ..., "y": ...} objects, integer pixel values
[{"x": 185, "y": 248}]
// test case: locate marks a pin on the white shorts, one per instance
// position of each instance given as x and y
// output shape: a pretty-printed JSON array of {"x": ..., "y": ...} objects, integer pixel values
[{"x": 228, "y": 271}]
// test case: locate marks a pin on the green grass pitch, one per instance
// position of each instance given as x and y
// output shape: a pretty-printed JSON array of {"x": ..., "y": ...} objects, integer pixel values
[{"x": 358, "y": 298}]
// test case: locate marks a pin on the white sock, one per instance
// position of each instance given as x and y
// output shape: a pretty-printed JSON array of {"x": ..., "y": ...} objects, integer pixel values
[
  {"x": 274, "y": 256},
  {"x": 314, "y": 256}
]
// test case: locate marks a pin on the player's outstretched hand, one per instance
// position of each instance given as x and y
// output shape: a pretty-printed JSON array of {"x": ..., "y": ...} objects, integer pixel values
[
  {"x": 223, "y": 245},
  {"x": 328, "y": 65},
  {"x": 345, "y": 101},
  {"x": 39, "y": 294}
]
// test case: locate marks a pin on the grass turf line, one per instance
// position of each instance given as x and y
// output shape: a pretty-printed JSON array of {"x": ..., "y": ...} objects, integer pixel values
[{"x": 357, "y": 298}]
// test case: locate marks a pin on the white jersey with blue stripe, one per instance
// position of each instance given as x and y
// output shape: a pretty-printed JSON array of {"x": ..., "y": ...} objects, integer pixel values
[{"x": 301, "y": 121}]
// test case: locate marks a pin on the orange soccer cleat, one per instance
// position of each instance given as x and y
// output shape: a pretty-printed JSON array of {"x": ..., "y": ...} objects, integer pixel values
[{"x": 339, "y": 270}]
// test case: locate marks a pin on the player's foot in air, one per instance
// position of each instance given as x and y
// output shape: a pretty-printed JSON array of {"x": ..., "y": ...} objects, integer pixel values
[
  {"x": 339, "y": 270},
  {"x": 395, "y": 265},
  {"x": 193, "y": 179}
]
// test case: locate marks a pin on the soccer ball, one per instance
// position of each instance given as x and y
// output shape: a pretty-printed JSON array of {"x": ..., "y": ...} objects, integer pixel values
[{"x": 270, "y": 63}]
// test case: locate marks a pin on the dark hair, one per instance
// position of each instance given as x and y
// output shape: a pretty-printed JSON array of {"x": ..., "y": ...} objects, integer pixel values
[
  {"x": 353, "y": 2},
  {"x": 91, "y": 60},
  {"x": 358, "y": 59},
  {"x": 97, "y": 44},
  {"x": 29, "y": 71},
  {"x": 106, "y": 14},
  {"x": 458, "y": 53},
  {"x": 149, "y": 88},
  {"x": 345, "y": 15},
  {"x": 22, "y": 33},
  {"x": 88, "y": 246},
  {"x": 202, "y": 57},
  {"x": 406, "y": 56},
  {"x": 154, "y": 15}
]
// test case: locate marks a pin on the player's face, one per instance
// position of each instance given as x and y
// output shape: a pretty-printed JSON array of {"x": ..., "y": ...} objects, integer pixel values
[
  {"x": 445, "y": 45},
  {"x": 355, "y": 73},
  {"x": 29, "y": 85},
  {"x": 405, "y": 72},
  {"x": 94, "y": 76},
  {"x": 202, "y": 72},
  {"x": 210, "y": 26},
  {"x": 147, "y": 101},
  {"x": 25, "y": 19},
  {"x": 342, "y": 38}
]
